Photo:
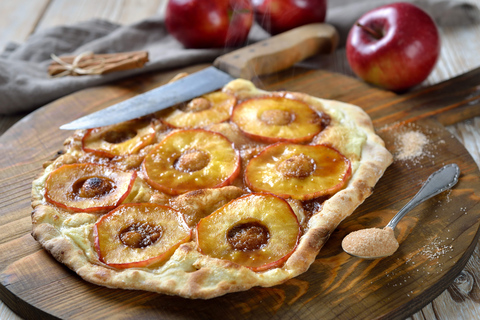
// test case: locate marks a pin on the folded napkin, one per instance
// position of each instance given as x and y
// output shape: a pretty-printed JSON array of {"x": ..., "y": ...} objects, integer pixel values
[{"x": 25, "y": 84}]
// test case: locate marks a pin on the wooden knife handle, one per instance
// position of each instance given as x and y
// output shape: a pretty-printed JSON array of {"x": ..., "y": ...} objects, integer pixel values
[{"x": 279, "y": 52}]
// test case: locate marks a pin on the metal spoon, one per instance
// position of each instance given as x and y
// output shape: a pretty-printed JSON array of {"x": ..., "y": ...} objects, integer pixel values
[{"x": 377, "y": 243}]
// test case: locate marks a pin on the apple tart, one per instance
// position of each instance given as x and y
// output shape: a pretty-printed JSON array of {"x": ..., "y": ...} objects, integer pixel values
[{"x": 235, "y": 189}]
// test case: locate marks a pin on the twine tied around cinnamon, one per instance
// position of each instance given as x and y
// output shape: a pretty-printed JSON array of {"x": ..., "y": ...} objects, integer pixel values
[
  {"x": 88, "y": 63},
  {"x": 74, "y": 67}
]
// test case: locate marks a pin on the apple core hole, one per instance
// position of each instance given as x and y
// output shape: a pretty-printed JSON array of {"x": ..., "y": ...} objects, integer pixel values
[
  {"x": 197, "y": 105},
  {"x": 297, "y": 166},
  {"x": 92, "y": 187},
  {"x": 248, "y": 236},
  {"x": 192, "y": 160},
  {"x": 119, "y": 136},
  {"x": 140, "y": 235},
  {"x": 277, "y": 117}
]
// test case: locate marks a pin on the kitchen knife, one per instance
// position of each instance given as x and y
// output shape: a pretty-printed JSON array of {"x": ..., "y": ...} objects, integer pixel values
[{"x": 264, "y": 57}]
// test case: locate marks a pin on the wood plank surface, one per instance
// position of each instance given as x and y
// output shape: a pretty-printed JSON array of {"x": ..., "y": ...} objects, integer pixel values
[
  {"x": 19, "y": 19},
  {"x": 337, "y": 286},
  {"x": 22, "y": 18},
  {"x": 122, "y": 12}
]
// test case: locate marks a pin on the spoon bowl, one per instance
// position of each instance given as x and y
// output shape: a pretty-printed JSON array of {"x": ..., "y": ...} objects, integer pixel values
[{"x": 375, "y": 243}]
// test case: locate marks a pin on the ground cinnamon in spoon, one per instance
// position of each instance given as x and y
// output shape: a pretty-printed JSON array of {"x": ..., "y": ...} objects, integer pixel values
[{"x": 371, "y": 243}]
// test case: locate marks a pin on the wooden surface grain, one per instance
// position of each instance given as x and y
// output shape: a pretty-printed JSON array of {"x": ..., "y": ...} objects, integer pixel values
[{"x": 460, "y": 47}]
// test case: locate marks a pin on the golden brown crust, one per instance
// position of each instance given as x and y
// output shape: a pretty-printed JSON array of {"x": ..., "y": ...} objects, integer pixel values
[{"x": 188, "y": 273}]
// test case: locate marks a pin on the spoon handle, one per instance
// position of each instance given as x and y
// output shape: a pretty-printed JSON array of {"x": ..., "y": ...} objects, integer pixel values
[{"x": 439, "y": 181}]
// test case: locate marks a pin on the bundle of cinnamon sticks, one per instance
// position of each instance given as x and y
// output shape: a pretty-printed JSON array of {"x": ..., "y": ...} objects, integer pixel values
[{"x": 89, "y": 63}]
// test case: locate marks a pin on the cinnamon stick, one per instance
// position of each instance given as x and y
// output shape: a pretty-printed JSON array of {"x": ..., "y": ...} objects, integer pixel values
[{"x": 99, "y": 63}]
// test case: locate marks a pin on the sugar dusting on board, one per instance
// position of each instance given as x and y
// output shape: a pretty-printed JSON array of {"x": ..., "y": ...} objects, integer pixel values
[
  {"x": 427, "y": 260},
  {"x": 411, "y": 145},
  {"x": 436, "y": 248}
]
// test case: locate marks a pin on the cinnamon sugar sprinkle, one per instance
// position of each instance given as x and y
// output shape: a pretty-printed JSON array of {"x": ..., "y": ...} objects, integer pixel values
[{"x": 411, "y": 145}]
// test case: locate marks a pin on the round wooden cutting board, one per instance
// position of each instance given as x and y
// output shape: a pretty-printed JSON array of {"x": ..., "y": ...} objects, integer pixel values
[{"x": 436, "y": 238}]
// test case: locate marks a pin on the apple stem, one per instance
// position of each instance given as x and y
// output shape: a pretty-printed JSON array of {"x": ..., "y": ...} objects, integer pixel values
[{"x": 374, "y": 33}]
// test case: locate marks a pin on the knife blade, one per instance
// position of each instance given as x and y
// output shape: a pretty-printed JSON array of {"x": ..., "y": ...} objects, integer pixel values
[{"x": 268, "y": 56}]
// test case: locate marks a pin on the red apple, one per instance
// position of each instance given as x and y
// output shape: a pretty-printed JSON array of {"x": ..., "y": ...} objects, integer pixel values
[
  {"x": 276, "y": 16},
  {"x": 395, "y": 46},
  {"x": 209, "y": 24}
]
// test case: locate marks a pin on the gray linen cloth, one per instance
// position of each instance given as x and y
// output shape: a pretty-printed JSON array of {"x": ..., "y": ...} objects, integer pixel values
[{"x": 25, "y": 84}]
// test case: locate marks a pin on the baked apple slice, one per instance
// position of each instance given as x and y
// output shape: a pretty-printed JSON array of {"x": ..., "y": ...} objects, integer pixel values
[
  {"x": 258, "y": 231},
  {"x": 208, "y": 109},
  {"x": 119, "y": 139},
  {"x": 139, "y": 235},
  {"x": 88, "y": 187},
  {"x": 188, "y": 160},
  {"x": 298, "y": 171},
  {"x": 273, "y": 119}
]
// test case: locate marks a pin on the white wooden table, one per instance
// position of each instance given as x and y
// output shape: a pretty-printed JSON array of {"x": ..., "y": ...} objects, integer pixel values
[{"x": 460, "y": 53}]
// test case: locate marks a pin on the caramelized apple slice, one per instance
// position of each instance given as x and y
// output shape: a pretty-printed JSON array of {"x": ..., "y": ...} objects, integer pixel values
[
  {"x": 88, "y": 187},
  {"x": 139, "y": 235},
  {"x": 208, "y": 109},
  {"x": 297, "y": 171},
  {"x": 273, "y": 119},
  {"x": 189, "y": 160},
  {"x": 119, "y": 139},
  {"x": 258, "y": 231}
]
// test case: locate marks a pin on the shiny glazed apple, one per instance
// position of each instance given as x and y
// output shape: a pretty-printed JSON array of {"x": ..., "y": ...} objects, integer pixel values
[
  {"x": 88, "y": 187},
  {"x": 188, "y": 160},
  {"x": 208, "y": 109},
  {"x": 297, "y": 171},
  {"x": 119, "y": 139},
  {"x": 258, "y": 231},
  {"x": 139, "y": 235},
  {"x": 273, "y": 119}
]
